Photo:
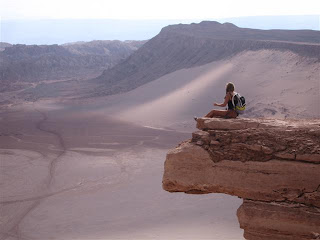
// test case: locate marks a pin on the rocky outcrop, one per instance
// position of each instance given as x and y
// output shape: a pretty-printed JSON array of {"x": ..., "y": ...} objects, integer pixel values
[{"x": 273, "y": 165}]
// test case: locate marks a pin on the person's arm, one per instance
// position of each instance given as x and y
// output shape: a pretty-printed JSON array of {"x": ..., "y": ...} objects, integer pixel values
[{"x": 226, "y": 99}]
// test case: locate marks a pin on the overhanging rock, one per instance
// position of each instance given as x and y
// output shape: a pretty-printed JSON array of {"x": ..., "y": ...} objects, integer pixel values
[{"x": 274, "y": 165}]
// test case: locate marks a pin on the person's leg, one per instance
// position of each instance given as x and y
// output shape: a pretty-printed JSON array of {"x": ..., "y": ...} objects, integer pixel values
[
  {"x": 231, "y": 114},
  {"x": 222, "y": 113},
  {"x": 216, "y": 113}
]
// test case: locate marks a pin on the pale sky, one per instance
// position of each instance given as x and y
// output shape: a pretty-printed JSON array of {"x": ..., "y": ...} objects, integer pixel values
[{"x": 149, "y": 9}]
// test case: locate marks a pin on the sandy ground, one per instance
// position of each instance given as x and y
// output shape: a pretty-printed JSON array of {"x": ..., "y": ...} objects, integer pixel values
[
  {"x": 92, "y": 168},
  {"x": 276, "y": 85},
  {"x": 67, "y": 174}
]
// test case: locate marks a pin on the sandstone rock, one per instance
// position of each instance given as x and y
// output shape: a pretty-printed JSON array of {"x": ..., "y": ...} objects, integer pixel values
[
  {"x": 201, "y": 135},
  {"x": 285, "y": 155},
  {"x": 225, "y": 124},
  {"x": 266, "y": 150},
  {"x": 268, "y": 163},
  {"x": 254, "y": 147},
  {"x": 278, "y": 221},
  {"x": 273, "y": 180},
  {"x": 212, "y": 142},
  {"x": 309, "y": 157},
  {"x": 189, "y": 156}
]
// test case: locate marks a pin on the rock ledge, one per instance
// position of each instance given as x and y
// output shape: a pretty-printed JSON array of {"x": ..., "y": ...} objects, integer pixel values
[{"x": 273, "y": 165}]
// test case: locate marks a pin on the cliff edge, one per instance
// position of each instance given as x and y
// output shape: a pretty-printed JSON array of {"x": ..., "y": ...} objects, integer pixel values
[{"x": 273, "y": 165}]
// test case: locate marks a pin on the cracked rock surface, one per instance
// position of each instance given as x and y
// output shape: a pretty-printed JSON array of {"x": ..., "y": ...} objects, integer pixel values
[{"x": 273, "y": 165}]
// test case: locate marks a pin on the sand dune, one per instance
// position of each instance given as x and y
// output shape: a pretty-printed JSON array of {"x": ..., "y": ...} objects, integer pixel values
[{"x": 276, "y": 85}]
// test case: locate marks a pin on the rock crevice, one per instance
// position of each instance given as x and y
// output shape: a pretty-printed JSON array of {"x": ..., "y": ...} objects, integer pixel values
[{"x": 273, "y": 165}]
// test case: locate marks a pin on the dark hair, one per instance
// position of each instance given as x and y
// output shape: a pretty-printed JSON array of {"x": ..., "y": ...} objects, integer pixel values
[{"x": 229, "y": 87}]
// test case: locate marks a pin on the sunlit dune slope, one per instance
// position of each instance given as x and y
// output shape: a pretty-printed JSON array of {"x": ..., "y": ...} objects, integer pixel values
[{"x": 275, "y": 84}]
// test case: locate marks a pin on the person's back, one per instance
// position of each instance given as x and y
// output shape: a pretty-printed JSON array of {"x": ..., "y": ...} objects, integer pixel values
[
  {"x": 230, "y": 112},
  {"x": 230, "y": 103}
]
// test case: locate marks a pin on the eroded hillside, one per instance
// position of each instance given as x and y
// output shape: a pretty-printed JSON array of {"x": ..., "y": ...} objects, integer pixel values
[
  {"x": 184, "y": 46},
  {"x": 22, "y": 65}
]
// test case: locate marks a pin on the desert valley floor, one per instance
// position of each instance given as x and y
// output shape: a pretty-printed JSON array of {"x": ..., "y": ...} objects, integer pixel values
[{"x": 67, "y": 174}]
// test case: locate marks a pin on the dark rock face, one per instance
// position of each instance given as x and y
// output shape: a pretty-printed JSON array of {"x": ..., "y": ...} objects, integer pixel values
[
  {"x": 189, "y": 45},
  {"x": 273, "y": 165}
]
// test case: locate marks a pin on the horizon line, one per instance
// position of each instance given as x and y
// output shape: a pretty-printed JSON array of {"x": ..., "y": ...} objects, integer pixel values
[{"x": 157, "y": 19}]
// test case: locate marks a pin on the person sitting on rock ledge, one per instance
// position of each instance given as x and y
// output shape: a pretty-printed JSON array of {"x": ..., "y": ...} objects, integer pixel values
[{"x": 230, "y": 112}]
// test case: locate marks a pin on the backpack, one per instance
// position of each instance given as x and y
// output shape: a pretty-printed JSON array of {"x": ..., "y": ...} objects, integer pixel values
[{"x": 239, "y": 103}]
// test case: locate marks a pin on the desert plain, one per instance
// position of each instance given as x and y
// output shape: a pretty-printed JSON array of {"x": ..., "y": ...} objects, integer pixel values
[{"x": 67, "y": 173}]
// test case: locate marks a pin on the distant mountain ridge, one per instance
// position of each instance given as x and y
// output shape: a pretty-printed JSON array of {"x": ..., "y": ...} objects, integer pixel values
[
  {"x": 33, "y": 63},
  {"x": 72, "y": 30},
  {"x": 229, "y": 31},
  {"x": 3, "y": 45},
  {"x": 103, "y": 47},
  {"x": 189, "y": 45}
]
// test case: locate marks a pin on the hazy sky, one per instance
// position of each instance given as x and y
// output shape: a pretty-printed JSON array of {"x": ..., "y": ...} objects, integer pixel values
[{"x": 150, "y": 9}]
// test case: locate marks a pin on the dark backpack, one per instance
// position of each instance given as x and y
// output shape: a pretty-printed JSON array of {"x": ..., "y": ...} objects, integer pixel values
[{"x": 239, "y": 103}]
